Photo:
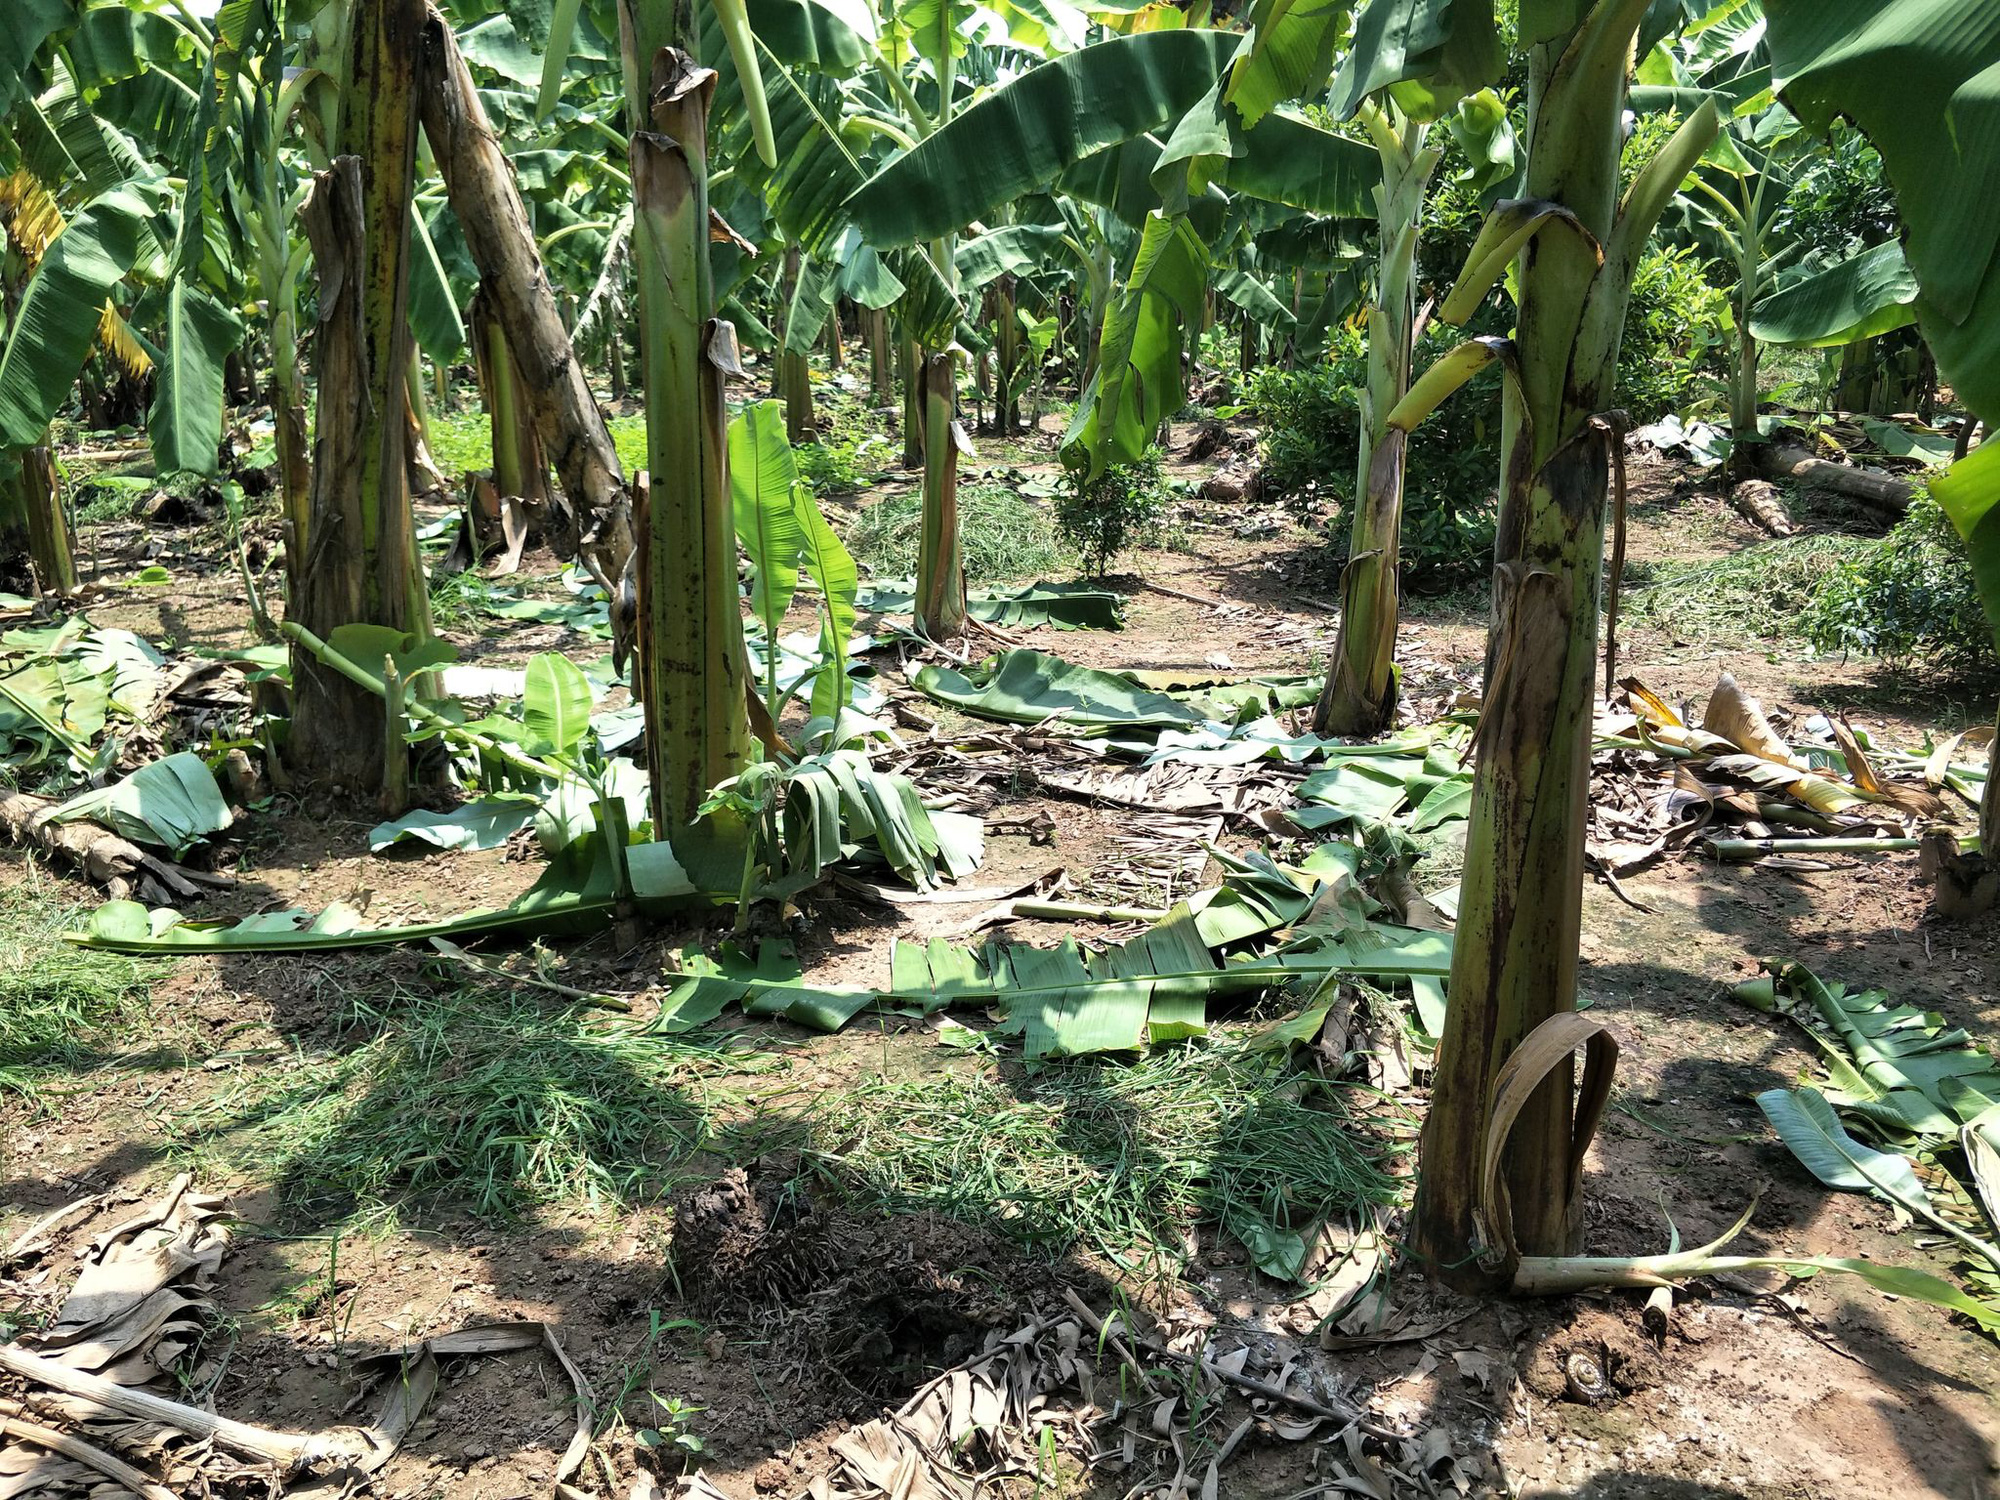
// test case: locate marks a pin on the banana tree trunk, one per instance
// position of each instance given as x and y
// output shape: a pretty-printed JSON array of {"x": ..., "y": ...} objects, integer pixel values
[
  {"x": 836, "y": 353},
  {"x": 692, "y": 661},
  {"x": 1359, "y": 697},
  {"x": 554, "y": 394},
  {"x": 1006, "y": 357},
  {"x": 294, "y": 442},
  {"x": 881, "y": 372},
  {"x": 912, "y": 361},
  {"x": 520, "y": 463},
  {"x": 795, "y": 369},
  {"x": 360, "y": 561},
  {"x": 1515, "y": 954},
  {"x": 1246, "y": 359},
  {"x": 940, "y": 560},
  {"x": 48, "y": 527}
]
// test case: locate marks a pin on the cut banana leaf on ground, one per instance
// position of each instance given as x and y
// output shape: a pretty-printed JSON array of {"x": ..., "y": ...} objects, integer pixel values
[
  {"x": 483, "y": 824},
  {"x": 577, "y": 893},
  {"x": 1905, "y": 1070},
  {"x": 1066, "y": 606},
  {"x": 1032, "y": 687},
  {"x": 171, "y": 803}
]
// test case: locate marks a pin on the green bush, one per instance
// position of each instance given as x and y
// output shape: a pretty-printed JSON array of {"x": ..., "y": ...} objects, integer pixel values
[
  {"x": 1673, "y": 334},
  {"x": 1909, "y": 597},
  {"x": 1102, "y": 518},
  {"x": 1312, "y": 423},
  {"x": 1004, "y": 536}
]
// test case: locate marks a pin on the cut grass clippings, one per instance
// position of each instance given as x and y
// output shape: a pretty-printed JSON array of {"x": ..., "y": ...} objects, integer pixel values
[
  {"x": 1005, "y": 537},
  {"x": 1122, "y": 1157},
  {"x": 58, "y": 1004},
  {"x": 476, "y": 1095},
  {"x": 1760, "y": 591}
]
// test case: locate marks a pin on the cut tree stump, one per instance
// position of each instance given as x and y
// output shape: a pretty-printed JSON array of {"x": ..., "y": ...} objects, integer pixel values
[
  {"x": 1759, "y": 503},
  {"x": 117, "y": 864}
]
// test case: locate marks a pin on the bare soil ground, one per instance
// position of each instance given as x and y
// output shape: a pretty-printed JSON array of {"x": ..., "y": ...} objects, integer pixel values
[{"x": 1759, "y": 1391}]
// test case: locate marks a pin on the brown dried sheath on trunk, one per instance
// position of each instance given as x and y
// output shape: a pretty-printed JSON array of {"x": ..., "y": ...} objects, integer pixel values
[{"x": 549, "y": 377}]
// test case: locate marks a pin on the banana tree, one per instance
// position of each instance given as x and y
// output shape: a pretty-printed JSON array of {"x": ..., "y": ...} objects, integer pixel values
[
  {"x": 1915, "y": 77},
  {"x": 359, "y": 561},
  {"x": 1573, "y": 243},
  {"x": 1360, "y": 693}
]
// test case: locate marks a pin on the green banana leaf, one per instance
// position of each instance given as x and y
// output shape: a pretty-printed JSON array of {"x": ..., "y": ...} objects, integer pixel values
[
  {"x": 1065, "y": 606},
  {"x": 1807, "y": 1124},
  {"x": 762, "y": 477},
  {"x": 829, "y": 37},
  {"x": 1138, "y": 382},
  {"x": 1857, "y": 298},
  {"x": 1022, "y": 137},
  {"x": 577, "y": 893},
  {"x": 55, "y": 324},
  {"x": 486, "y": 823},
  {"x": 1016, "y": 250},
  {"x": 1247, "y": 292},
  {"x": 1969, "y": 493},
  {"x": 29, "y": 24},
  {"x": 171, "y": 803},
  {"x": 1427, "y": 52},
  {"x": 1029, "y": 687},
  {"x": 1293, "y": 48},
  {"x": 1916, "y": 77},
  {"x": 434, "y": 317},
  {"x": 185, "y": 421},
  {"x": 555, "y": 705}
]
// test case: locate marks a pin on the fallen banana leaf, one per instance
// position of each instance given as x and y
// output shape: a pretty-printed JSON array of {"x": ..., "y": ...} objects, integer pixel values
[
  {"x": 171, "y": 803},
  {"x": 1031, "y": 687},
  {"x": 483, "y": 824},
  {"x": 1066, "y": 606},
  {"x": 1907, "y": 1070},
  {"x": 577, "y": 893}
]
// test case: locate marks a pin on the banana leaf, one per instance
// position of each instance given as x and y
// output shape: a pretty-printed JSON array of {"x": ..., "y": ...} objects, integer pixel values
[
  {"x": 185, "y": 421},
  {"x": 1065, "y": 606},
  {"x": 1857, "y": 298},
  {"x": 486, "y": 823},
  {"x": 171, "y": 803},
  {"x": 56, "y": 321},
  {"x": 1917, "y": 77},
  {"x": 1138, "y": 382},
  {"x": 577, "y": 893},
  {"x": 1028, "y": 687},
  {"x": 1022, "y": 137},
  {"x": 1969, "y": 493},
  {"x": 1807, "y": 1124}
]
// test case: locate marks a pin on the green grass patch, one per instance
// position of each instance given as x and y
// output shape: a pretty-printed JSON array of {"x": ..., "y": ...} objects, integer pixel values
[
  {"x": 58, "y": 1005},
  {"x": 1005, "y": 537},
  {"x": 480, "y": 1097},
  {"x": 1761, "y": 592},
  {"x": 1122, "y": 1157}
]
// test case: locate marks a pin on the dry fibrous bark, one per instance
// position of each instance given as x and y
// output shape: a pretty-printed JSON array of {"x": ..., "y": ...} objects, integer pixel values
[{"x": 551, "y": 380}]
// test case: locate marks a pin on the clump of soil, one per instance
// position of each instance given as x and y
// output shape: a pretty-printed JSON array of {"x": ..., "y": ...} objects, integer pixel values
[
  {"x": 1599, "y": 1356},
  {"x": 881, "y": 1304}
]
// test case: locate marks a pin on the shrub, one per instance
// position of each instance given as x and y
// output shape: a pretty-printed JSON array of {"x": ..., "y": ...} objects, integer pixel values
[
  {"x": 1673, "y": 334},
  {"x": 1908, "y": 597},
  {"x": 1312, "y": 424},
  {"x": 1102, "y": 518}
]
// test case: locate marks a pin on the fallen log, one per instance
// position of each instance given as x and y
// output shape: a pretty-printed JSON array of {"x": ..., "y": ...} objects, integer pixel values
[
  {"x": 1881, "y": 492},
  {"x": 117, "y": 864}
]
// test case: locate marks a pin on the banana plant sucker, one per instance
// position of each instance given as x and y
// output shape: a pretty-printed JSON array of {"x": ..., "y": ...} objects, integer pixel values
[
  {"x": 1745, "y": 226},
  {"x": 1359, "y": 697},
  {"x": 1515, "y": 953}
]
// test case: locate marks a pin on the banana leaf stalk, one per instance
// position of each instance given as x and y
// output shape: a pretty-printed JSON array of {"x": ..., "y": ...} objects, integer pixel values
[
  {"x": 359, "y": 561},
  {"x": 1520, "y": 912},
  {"x": 1360, "y": 694},
  {"x": 692, "y": 665},
  {"x": 940, "y": 559}
]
